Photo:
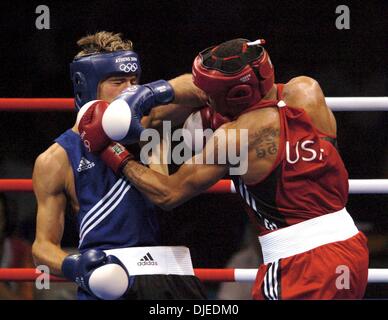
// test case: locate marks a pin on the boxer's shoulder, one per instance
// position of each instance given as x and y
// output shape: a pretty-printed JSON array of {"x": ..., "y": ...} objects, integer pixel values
[
  {"x": 51, "y": 167},
  {"x": 301, "y": 85},
  {"x": 302, "y": 92},
  {"x": 301, "y": 80},
  {"x": 53, "y": 156},
  {"x": 256, "y": 119},
  {"x": 305, "y": 92}
]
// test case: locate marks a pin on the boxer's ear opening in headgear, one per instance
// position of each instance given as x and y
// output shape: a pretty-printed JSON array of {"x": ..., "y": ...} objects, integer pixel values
[{"x": 239, "y": 95}]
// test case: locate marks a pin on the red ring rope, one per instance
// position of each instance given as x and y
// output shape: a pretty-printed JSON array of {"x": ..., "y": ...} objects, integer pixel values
[
  {"x": 37, "y": 104},
  {"x": 15, "y": 185},
  {"x": 215, "y": 275},
  {"x": 20, "y": 185},
  {"x": 30, "y": 274}
]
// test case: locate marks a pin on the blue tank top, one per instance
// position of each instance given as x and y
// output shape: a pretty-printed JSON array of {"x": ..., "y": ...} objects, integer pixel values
[{"x": 112, "y": 213}]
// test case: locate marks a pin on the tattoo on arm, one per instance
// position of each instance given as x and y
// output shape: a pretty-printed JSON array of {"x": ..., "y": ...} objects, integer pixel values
[{"x": 265, "y": 142}]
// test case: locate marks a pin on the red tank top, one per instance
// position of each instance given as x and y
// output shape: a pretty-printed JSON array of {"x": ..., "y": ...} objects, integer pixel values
[{"x": 307, "y": 180}]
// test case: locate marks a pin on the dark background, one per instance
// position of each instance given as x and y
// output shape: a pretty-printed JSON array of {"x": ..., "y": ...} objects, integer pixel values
[{"x": 302, "y": 39}]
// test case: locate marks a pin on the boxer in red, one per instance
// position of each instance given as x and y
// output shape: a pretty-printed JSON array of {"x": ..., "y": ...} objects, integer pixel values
[{"x": 295, "y": 186}]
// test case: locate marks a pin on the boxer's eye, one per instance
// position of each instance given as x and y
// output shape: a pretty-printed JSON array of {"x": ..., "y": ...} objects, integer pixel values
[
  {"x": 116, "y": 81},
  {"x": 120, "y": 81}
]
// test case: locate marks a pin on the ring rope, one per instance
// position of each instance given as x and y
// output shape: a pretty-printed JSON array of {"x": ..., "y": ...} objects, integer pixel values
[
  {"x": 37, "y": 104},
  {"x": 249, "y": 275},
  {"x": 210, "y": 275},
  {"x": 356, "y": 186},
  {"x": 67, "y": 104}
]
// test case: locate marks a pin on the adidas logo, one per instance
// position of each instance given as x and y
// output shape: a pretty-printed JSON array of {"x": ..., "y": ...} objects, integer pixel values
[
  {"x": 147, "y": 260},
  {"x": 85, "y": 164}
]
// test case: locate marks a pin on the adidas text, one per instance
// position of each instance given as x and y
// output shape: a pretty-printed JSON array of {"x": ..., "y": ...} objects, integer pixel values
[{"x": 147, "y": 263}]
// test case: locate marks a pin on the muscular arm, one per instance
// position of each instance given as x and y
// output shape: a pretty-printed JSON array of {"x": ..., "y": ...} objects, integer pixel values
[
  {"x": 155, "y": 159},
  {"x": 187, "y": 98},
  {"x": 190, "y": 180},
  {"x": 169, "y": 192},
  {"x": 174, "y": 113},
  {"x": 49, "y": 185},
  {"x": 186, "y": 93}
]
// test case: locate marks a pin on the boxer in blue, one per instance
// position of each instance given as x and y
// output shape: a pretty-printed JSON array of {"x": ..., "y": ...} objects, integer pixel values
[{"x": 119, "y": 253}]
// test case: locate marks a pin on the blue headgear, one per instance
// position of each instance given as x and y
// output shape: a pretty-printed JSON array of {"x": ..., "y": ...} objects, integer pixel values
[{"x": 86, "y": 72}]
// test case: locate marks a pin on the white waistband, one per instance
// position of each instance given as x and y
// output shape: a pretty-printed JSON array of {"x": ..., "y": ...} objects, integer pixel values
[
  {"x": 155, "y": 260},
  {"x": 307, "y": 235}
]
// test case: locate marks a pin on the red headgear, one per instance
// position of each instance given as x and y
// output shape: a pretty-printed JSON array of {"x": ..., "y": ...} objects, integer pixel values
[{"x": 234, "y": 80}]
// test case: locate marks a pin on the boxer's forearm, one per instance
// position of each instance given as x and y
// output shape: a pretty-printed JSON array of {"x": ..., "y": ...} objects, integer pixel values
[
  {"x": 187, "y": 98},
  {"x": 174, "y": 113},
  {"x": 50, "y": 255},
  {"x": 186, "y": 93},
  {"x": 158, "y": 188},
  {"x": 155, "y": 159},
  {"x": 169, "y": 192}
]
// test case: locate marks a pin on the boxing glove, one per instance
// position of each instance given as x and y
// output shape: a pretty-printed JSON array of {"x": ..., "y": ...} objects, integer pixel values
[
  {"x": 90, "y": 128},
  {"x": 211, "y": 119},
  {"x": 100, "y": 122},
  {"x": 116, "y": 157},
  {"x": 102, "y": 276},
  {"x": 121, "y": 121},
  {"x": 196, "y": 125}
]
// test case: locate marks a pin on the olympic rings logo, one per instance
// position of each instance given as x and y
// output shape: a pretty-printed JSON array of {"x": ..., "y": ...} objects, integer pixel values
[{"x": 129, "y": 67}]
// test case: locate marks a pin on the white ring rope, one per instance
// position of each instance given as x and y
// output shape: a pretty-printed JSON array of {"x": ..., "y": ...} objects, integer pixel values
[
  {"x": 249, "y": 275},
  {"x": 358, "y": 186},
  {"x": 357, "y": 103},
  {"x": 370, "y": 186}
]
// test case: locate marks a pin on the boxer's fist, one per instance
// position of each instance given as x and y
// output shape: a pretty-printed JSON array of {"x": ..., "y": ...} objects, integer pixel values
[
  {"x": 211, "y": 119},
  {"x": 205, "y": 118},
  {"x": 102, "y": 276},
  {"x": 90, "y": 125},
  {"x": 142, "y": 98},
  {"x": 100, "y": 122},
  {"x": 116, "y": 157},
  {"x": 122, "y": 118}
]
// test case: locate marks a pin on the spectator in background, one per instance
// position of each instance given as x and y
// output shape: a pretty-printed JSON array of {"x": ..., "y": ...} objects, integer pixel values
[
  {"x": 15, "y": 252},
  {"x": 249, "y": 256}
]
